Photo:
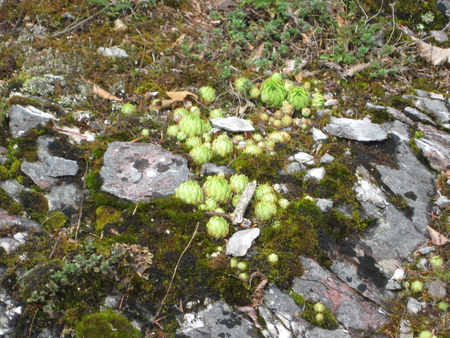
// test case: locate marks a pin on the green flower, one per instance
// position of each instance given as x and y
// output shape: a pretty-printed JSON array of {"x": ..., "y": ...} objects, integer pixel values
[
  {"x": 217, "y": 227},
  {"x": 190, "y": 192},
  {"x": 238, "y": 182},
  {"x": 207, "y": 93},
  {"x": 191, "y": 125},
  {"x": 272, "y": 91},
  {"x": 299, "y": 97},
  {"x": 201, "y": 154},
  {"x": 222, "y": 146},
  {"x": 265, "y": 210},
  {"x": 218, "y": 188}
]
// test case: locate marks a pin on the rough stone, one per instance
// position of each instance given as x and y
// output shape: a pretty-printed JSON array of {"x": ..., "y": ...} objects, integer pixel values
[
  {"x": 435, "y": 145},
  {"x": 327, "y": 159},
  {"x": 23, "y": 119},
  {"x": 318, "y": 135},
  {"x": 417, "y": 116},
  {"x": 437, "y": 289},
  {"x": 112, "y": 52},
  {"x": 57, "y": 166},
  {"x": 241, "y": 241},
  {"x": 350, "y": 309},
  {"x": 442, "y": 202},
  {"x": 208, "y": 169},
  {"x": 65, "y": 198},
  {"x": 324, "y": 205},
  {"x": 12, "y": 188},
  {"x": 217, "y": 320},
  {"x": 358, "y": 130},
  {"x": 3, "y": 152},
  {"x": 316, "y": 174},
  {"x": 36, "y": 171},
  {"x": 436, "y": 108},
  {"x": 397, "y": 114},
  {"x": 303, "y": 157},
  {"x": 141, "y": 172},
  {"x": 233, "y": 124}
]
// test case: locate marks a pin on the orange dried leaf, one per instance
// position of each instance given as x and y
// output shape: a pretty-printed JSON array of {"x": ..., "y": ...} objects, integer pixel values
[
  {"x": 432, "y": 54},
  {"x": 100, "y": 92},
  {"x": 436, "y": 237},
  {"x": 355, "y": 69},
  {"x": 305, "y": 39},
  {"x": 180, "y": 96},
  {"x": 299, "y": 77}
]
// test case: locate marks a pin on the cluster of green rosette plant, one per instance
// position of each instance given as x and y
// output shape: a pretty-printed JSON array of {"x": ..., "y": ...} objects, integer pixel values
[{"x": 217, "y": 191}]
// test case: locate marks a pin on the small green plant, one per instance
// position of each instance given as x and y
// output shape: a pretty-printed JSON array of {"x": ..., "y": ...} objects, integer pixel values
[{"x": 108, "y": 324}]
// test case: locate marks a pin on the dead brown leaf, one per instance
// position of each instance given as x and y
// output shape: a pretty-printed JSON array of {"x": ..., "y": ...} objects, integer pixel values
[
  {"x": 305, "y": 39},
  {"x": 181, "y": 96},
  {"x": 432, "y": 54},
  {"x": 100, "y": 92},
  {"x": 299, "y": 77},
  {"x": 258, "y": 52},
  {"x": 226, "y": 5},
  {"x": 355, "y": 69},
  {"x": 436, "y": 237}
]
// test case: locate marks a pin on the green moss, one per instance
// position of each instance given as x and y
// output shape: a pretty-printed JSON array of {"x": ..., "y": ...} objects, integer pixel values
[
  {"x": 15, "y": 167},
  {"x": 106, "y": 215},
  {"x": 35, "y": 205},
  {"x": 398, "y": 102},
  {"x": 7, "y": 203},
  {"x": 55, "y": 220},
  {"x": 108, "y": 324},
  {"x": 263, "y": 167},
  {"x": 4, "y": 173}
]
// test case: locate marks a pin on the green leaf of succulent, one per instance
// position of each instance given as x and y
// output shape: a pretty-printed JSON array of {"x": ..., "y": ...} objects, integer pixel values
[
  {"x": 222, "y": 146},
  {"x": 207, "y": 93},
  {"x": 242, "y": 85},
  {"x": 173, "y": 130},
  {"x": 217, "y": 227},
  {"x": 238, "y": 182},
  {"x": 190, "y": 192},
  {"x": 191, "y": 125},
  {"x": 217, "y": 188},
  {"x": 265, "y": 210},
  {"x": 272, "y": 91},
  {"x": 201, "y": 154},
  {"x": 261, "y": 190},
  {"x": 299, "y": 97},
  {"x": 128, "y": 108}
]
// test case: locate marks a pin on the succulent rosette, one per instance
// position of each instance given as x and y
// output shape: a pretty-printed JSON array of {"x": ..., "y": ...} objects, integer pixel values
[
  {"x": 179, "y": 113},
  {"x": 317, "y": 100},
  {"x": 287, "y": 108},
  {"x": 254, "y": 92},
  {"x": 216, "y": 113},
  {"x": 235, "y": 200},
  {"x": 201, "y": 154},
  {"x": 261, "y": 190},
  {"x": 173, "y": 130},
  {"x": 299, "y": 97},
  {"x": 252, "y": 149},
  {"x": 286, "y": 121},
  {"x": 207, "y": 93},
  {"x": 190, "y": 192},
  {"x": 272, "y": 91},
  {"x": 238, "y": 182},
  {"x": 128, "y": 108},
  {"x": 181, "y": 136},
  {"x": 242, "y": 85},
  {"x": 271, "y": 197},
  {"x": 193, "y": 141},
  {"x": 283, "y": 203},
  {"x": 211, "y": 204},
  {"x": 265, "y": 210},
  {"x": 195, "y": 110},
  {"x": 217, "y": 188},
  {"x": 306, "y": 112},
  {"x": 222, "y": 146},
  {"x": 288, "y": 84},
  {"x": 217, "y": 227},
  {"x": 191, "y": 125}
]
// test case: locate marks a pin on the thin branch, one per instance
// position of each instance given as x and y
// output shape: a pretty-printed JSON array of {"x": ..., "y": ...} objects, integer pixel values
[{"x": 175, "y": 270}]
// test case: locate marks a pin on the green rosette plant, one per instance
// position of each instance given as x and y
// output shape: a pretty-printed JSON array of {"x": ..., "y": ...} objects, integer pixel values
[
  {"x": 217, "y": 227},
  {"x": 265, "y": 210},
  {"x": 306, "y": 112},
  {"x": 299, "y": 97},
  {"x": 181, "y": 136},
  {"x": 252, "y": 149},
  {"x": 254, "y": 92},
  {"x": 211, "y": 204},
  {"x": 287, "y": 108},
  {"x": 179, "y": 113},
  {"x": 193, "y": 141},
  {"x": 217, "y": 188},
  {"x": 190, "y": 192},
  {"x": 272, "y": 91},
  {"x": 235, "y": 200},
  {"x": 242, "y": 85},
  {"x": 216, "y": 113},
  {"x": 173, "y": 130},
  {"x": 271, "y": 197},
  {"x": 191, "y": 125},
  {"x": 128, "y": 108},
  {"x": 222, "y": 146},
  {"x": 238, "y": 182},
  {"x": 201, "y": 154},
  {"x": 317, "y": 100},
  {"x": 261, "y": 190},
  {"x": 207, "y": 94}
]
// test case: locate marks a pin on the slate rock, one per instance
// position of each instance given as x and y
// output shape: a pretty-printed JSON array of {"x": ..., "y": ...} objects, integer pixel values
[
  {"x": 435, "y": 146},
  {"x": 57, "y": 166},
  {"x": 441, "y": 202},
  {"x": 400, "y": 116},
  {"x": 208, "y": 169},
  {"x": 315, "y": 174},
  {"x": 112, "y": 52},
  {"x": 241, "y": 241},
  {"x": 12, "y": 188},
  {"x": 417, "y": 116},
  {"x": 358, "y": 130},
  {"x": 36, "y": 171},
  {"x": 437, "y": 289},
  {"x": 3, "y": 152},
  {"x": 353, "y": 311},
  {"x": 217, "y": 320},
  {"x": 327, "y": 159},
  {"x": 65, "y": 198},
  {"x": 324, "y": 205},
  {"x": 233, "y": 124},
  {"x": 141, "y": 172},
  {"x": 23, "y": 119},
  {"x": 318, "y": 135},
  {"x": 436, "y": 108},
  {"x": 303, "y": 157}
]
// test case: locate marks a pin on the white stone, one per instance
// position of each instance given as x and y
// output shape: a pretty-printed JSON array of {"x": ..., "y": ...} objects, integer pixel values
[
  {"x": 241, "y": 241},
  {"x": 316, "y": 174},
  {"x": 302, "y": 157},
  {"x": 318, "y": 135}
]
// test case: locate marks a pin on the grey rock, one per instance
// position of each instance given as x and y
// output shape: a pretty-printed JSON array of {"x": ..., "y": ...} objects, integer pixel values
[
  {"x": 112, "y": 52},
  {"x": 327, "y": 159},
  {"x": 57, "y": 166},
  {"x": 437, "y": 289},
  {"x": 441, "y": 202},
  {"x": 233, "y": 124},
  {"x": 414, "y": 306},
  {"x": 398, "y": 115},
  {"x": 435, "y": 145},
  {"x": 63, "y": 197},
  {"x": 36, "y": 171},
  {"x": 141, "y": 172},
  {"x": 375, "y": 106},
  {"x": 324, "y": 205},
  {"x": 208, "y": 169},
  {"x": 422, "y": 93},
  {"x": 303, "y": 157},
  {"x": 3, "y": 152},
  {"x": 443, "y": 6},
  {"x": 241, "y": 241},
  {"x": 366, "y": 191},
  {"x": 318, "y": 135},
  {"x": 294, "y": 167},
  {"x": 436, "y": 108},
  {"x": 23, "y": 119},
  {"x": 12, "y": 188},
  {"x": 323, "y": 112},
  {"x": 9, "y": 221},
  {"x": 350, "y": 309},
  {"x": 426, "y": 250},
  {"x": 417, "y": 116},
  {"x": 316, "y": 174},
  {"x": 217, "y": 320},
  {"x": 358, "y": 130},
  {"x": 45, "y": 143}
]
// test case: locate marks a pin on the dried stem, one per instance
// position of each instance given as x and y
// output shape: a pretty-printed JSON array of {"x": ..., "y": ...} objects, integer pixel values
[{"x": 238, "y": 214}]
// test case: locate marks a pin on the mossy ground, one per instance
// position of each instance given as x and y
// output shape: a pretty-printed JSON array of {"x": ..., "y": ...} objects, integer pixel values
[{"x": 169, "y": 53}]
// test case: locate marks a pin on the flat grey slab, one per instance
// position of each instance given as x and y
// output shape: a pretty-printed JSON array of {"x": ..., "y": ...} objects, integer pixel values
[
  {"x": 233, "y": 124},
  {"x": 141, "y": 172},
  {"x": 23, "y": 119},
  {"x": 358, "y": 130}
]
